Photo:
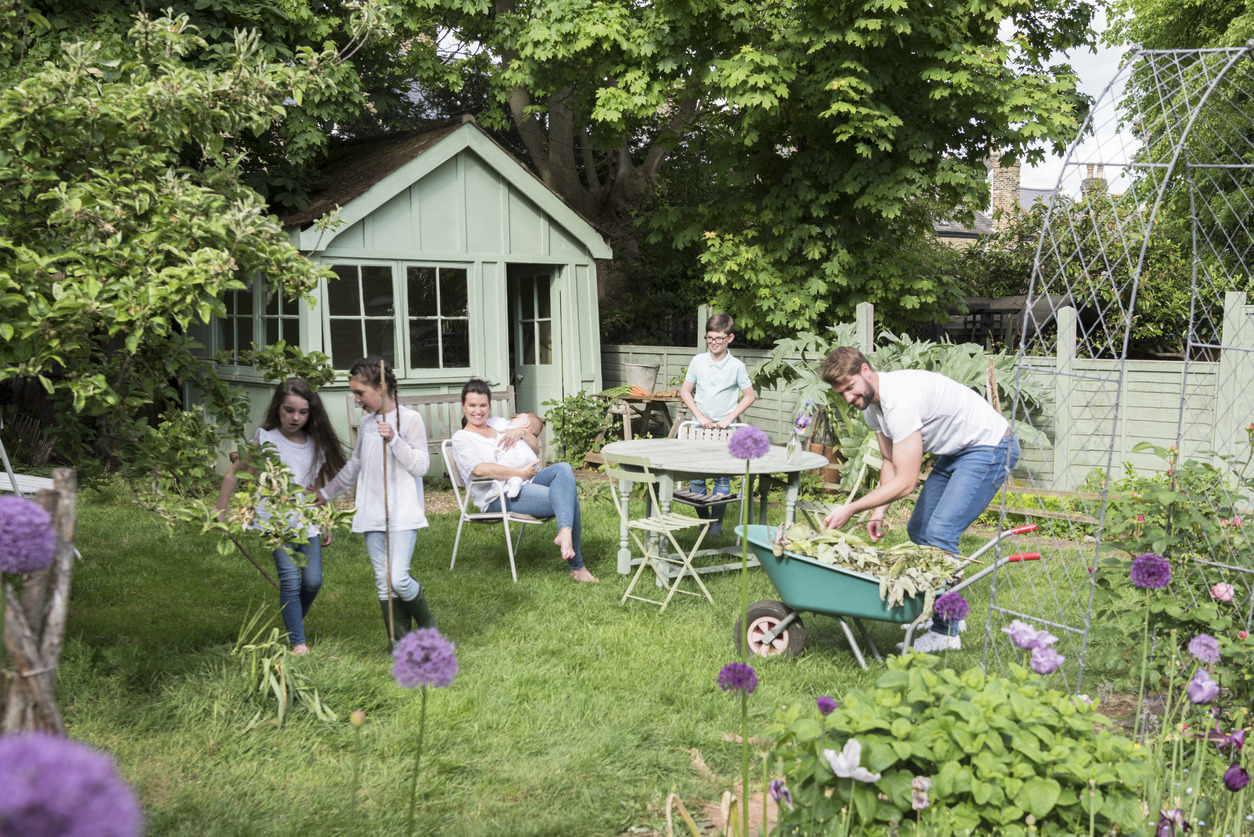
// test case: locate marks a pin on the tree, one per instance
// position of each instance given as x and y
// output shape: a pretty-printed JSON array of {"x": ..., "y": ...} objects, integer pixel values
[
  {"x": 827, "y": 128},
  {"x": 110, "y": 246}
]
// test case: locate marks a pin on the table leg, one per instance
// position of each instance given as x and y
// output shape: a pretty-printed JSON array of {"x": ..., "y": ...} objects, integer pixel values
[
  {"x": 626, "y": 421},
  {"x": 790, "y": 498},
  {"x": 624, "y": 552}
]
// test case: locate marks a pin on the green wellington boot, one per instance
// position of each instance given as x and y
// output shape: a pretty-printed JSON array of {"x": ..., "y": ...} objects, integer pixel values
[
  {"x": 399, "y": 621},
  {"x": 417, "y": 607}
]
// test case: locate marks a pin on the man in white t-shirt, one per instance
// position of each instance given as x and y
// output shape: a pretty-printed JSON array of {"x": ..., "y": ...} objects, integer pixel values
[{"x": 914, "y": 412}]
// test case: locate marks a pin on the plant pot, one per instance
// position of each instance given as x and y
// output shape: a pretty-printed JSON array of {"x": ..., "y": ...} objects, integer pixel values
[
  {"x": 643, "y": 375},
  {"x": 831, "y": 474}
]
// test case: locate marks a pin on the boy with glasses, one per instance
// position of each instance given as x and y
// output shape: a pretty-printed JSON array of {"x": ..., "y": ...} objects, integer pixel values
[{"x": 717, "y": 390}]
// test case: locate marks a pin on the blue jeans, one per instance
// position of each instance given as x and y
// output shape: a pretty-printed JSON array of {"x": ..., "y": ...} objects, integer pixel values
[
  {"x": 298, "y": 587},
  {"x": 956, "y": 492},
  {"x": 402, "y": 545},
  {"x": 551, "y": 493},
  {"x": 722, "y": 485}
]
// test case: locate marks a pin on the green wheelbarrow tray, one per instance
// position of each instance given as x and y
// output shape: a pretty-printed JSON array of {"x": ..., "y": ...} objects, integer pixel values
[{"x": 804, "y": 584}]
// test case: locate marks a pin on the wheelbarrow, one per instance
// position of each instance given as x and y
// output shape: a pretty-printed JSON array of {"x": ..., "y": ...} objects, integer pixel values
[{"x": 804, "y": 584}]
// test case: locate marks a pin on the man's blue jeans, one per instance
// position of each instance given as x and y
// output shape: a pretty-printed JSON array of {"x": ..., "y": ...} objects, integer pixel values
[
  {"x": 551, "y": 493},
  {"x": 956, "y": 492},
  {"x": 722, "y": 485},
  {"x": 298, "y": 587}
]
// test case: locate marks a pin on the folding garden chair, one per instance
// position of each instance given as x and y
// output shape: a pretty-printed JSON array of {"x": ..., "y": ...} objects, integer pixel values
[
  {"x": 467, "y": 513},
  {"x": 654, "y": 532},
  {"x": 694, "y": 430}
]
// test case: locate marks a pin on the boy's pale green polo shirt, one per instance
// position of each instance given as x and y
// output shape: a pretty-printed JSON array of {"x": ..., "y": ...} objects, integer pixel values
[{"x": 717, "y": 386}]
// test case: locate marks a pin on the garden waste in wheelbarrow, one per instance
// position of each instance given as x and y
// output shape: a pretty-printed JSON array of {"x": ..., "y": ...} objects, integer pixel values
[{"x": 804, "y": 584}]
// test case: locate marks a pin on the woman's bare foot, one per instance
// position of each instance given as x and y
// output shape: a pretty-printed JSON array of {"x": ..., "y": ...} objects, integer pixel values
[
  {"x": 565, "y": 543},
  {"x": 582, "y": 574}
]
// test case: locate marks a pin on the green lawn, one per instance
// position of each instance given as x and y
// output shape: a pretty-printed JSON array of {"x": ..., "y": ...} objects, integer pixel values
[{"x": 571, "y": 715}]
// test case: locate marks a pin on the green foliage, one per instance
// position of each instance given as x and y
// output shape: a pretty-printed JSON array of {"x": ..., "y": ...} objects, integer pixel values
[
  {"x": 279, "y": 361},
  {"x": 576, "y": 421},
  {"x": 266, "y": 665},
  {"x": 996, "y": 749}
]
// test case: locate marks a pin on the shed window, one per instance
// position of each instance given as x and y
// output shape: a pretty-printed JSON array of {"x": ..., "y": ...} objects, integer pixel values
[
  {"x": 362, "y": 314},
  {"x": 236, "y": 333},
  {"x": 280, "y": 320},
  {"x": 439, "y": 319}
]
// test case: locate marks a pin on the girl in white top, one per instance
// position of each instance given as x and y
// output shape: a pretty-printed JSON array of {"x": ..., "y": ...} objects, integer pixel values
[
  {"x": 298, "y": 427},
  {"x": 397, "y": 433}
]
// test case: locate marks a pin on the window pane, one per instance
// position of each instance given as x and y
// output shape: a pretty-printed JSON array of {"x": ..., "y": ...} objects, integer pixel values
[
  {"x": 526, "y": 291},
  {"x": 422, "y": 299},
  {"x": 290, "y": 331},
  {"x": 456, "y": 343},
  {"x": 546, "y": 341},
  {"x": 376, "y": 290},
  {"x": 272, "y": 330},
  {"x": 380, "y": 340},
  {"x": 528, "y": 351},
  {"x": 424, "y": 343},
  {"x": 453, "y": 292},
  {"x": 346, "y": 343},
  {"x": 272, "y": 303},
  {"x": 343, "y": 297},
  {"x": 542, "y": 298}
]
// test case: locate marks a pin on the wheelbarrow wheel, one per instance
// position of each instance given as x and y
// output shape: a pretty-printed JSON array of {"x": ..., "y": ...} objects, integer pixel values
[{"x": 764, "y": 616}]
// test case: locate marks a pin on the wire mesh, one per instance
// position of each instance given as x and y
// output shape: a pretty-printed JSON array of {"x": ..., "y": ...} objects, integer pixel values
[{"x": 1165, "y": 159}]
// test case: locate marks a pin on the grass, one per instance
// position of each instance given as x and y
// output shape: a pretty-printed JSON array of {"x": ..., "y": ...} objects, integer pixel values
[{"x": 571, "y": 715}]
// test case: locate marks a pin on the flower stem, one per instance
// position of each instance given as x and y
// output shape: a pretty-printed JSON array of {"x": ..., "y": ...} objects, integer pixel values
[
  {"x": 1140, "y": 698},
  {"x": 744, "y": 567},
  {"x": 744, "y": 772},
  {"x": 413, "y": 782}
]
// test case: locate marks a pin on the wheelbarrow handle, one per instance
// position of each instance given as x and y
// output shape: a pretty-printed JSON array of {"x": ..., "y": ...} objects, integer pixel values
[
  {"x": 1024, "y": 556},
  {"x": 1023, "y": 530}
]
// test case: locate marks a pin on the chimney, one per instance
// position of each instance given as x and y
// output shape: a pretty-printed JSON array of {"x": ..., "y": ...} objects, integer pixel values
[
  {"x": 1095, "y": 182},
  {"x": 1005, "y": 188}
]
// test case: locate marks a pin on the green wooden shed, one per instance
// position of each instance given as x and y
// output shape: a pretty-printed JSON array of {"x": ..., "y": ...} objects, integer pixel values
[{"x": 451, "y": 260}]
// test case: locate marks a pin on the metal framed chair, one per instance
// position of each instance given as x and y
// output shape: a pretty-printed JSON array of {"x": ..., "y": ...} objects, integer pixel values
[
  {"x": 693, "y": 430},
  {"x": 655, "y": 531},
  {"x": 467, "y": 512}
]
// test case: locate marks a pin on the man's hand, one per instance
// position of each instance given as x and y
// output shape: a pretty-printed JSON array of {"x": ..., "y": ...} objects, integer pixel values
[
  {"x": 875, "y": 528},
  {"x": 838, "y": 517}
]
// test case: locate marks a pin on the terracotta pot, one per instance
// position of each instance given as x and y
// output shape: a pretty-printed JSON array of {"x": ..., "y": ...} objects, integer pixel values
[{"x": 830, "y": 475}]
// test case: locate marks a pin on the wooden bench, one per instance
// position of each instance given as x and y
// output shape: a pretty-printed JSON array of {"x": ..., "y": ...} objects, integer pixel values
[
  {"x": 24, "y": 485},
  {"x": 442, "y": 415},
  {"x": 1013, "y": 494}
]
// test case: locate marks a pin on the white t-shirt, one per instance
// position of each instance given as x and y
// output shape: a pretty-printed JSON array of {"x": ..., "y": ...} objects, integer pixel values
[
  {"x": 408, "y": 460},
  {"x": 952, "y": 417},
  {"x": 716, "y": 387},
  {"x": 470, "y": 449},
  {"x": 300, "y": 463}
]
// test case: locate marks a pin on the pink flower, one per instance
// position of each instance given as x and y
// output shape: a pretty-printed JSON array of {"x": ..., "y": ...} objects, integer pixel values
[
  {"x": 1223, "y": 592},
  {"x": 1242, "y": 634},
  {"x": 1140, "y": 518},
  {"x": 1223, "y": 521},
  {"x": 1238, "y": 522}
]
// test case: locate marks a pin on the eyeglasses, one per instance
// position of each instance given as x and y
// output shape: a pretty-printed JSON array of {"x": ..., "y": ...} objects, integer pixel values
[{"x": 722, "y": 339}]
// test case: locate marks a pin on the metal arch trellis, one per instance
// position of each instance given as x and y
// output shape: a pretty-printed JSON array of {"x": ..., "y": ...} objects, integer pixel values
[{"x": 1169, "y": 142}]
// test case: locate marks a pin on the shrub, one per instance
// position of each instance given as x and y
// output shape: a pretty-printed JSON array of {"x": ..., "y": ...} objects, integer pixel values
[{"x": 576, "y": 421}]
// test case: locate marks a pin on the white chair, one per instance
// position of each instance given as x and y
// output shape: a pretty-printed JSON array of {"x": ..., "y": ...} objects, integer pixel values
[
  {"x": 468, "y": 513},
  {"x": 634, "y": 470},
  {"x": 694, "y": 431}
]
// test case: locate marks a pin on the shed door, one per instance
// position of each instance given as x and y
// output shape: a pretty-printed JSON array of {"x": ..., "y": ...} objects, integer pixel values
[{"x": 535, "y": 345}]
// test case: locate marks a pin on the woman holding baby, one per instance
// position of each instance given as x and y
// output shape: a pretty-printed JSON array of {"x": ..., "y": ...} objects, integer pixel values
[{"x": 489, "y": 446}]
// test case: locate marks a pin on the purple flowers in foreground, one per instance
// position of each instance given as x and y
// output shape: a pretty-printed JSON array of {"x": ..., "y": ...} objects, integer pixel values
[
  {"x": 51, "y": 786},
  {"x": 1204, "y": 648},
  {"x": 749, "y": 442},
  {"x": 1236, "y": 777},
  {"x": 918, "y": 793},
  {"x": 1150, "y": 571},
  {"x": 951, "y": 607},
  {"x": 1168, "y": 821},
  {"x": 424, "y": 658},
  {"x": 1202, "y": 689},
  {"x": 780, "y": 793},
  {"x": 1044, "y": 659},
  {"x": 27, "y": 542},
  {"x": 826, "y": 705},
  {"x": 739, "y": 678}
]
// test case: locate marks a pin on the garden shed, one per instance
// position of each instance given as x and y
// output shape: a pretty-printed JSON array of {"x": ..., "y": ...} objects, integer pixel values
[{"x": 451, "y": 261}]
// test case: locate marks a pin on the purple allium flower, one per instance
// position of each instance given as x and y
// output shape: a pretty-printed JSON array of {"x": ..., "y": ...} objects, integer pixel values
[
  {"x": 424, "y": 658},
  {"x": 951, "y": 607},
  {"x": 1150, "y": 571},
  {"x": 1045, "y": 660},
  {"x": 918, "y": 792},
  {"x": 1205, "y": 648},
  {"x": 27, "y": 541},
  {"x": 1028, "y": 638},
  {"x": 749, "y": 442},
  {"x": 1202, "y": 689},
  {"x": 826, "y": 705},
  {"x": 53, "y": 787},
  {"x": 1236, "y": 777},
  {"x": 738, "y": 677},
  {"x": 780, "y": 793},
  {"x": 1168, "y": 821}
]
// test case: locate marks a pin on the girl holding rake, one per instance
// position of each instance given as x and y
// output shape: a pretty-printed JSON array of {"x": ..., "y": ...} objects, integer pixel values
[{"x": 386, "y": 467}]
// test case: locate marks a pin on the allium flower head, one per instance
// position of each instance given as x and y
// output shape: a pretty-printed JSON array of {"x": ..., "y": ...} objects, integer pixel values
[
  {"x": 54, "y": 787},
  {"x": 918, "y": 793},
  {"x": 27, "y": 542},
  {"x": 780, "y": 793},
  {"x": 1236, "y": 777},
  {"x": 1045, "y": 660},
  {"x": 1150, "y": 571},
  {"x": 826, "y": 705},
  {"x": 738, "y": 677},
  {"x": 1028, "y": 638},
  {"x": 424, "y": 658},
  {"x": 1202, "y": 689},
  {"x": 749, "y": 442},
  {"x": 951, "y": 607},
  {"x": 1204, "y": 648},
  {"x": 1223, "y": 592},
  {"x": 846, "y": 763}
]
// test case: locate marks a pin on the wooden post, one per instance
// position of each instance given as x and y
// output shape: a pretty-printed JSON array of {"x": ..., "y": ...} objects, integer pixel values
[
  {"x": 864, "y": 319},
  {"x": 1236, "y": 377},
  {"x": 1064, "y": 388}
]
